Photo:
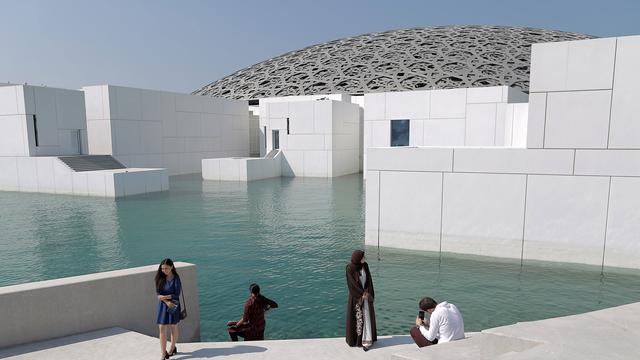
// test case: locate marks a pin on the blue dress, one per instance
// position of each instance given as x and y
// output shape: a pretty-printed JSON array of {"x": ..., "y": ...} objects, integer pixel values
[{"x": 173, "y": 288}]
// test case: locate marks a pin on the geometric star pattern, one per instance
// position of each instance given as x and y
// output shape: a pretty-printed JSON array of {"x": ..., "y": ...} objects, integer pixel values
[{"x": 439, "y": 57}]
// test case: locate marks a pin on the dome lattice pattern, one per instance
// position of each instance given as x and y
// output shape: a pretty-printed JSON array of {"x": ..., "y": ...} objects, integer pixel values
[{"x": 421, "y": 58}]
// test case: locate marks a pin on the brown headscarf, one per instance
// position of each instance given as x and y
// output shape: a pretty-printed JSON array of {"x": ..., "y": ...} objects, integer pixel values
[{"x": 356, "y": 259}]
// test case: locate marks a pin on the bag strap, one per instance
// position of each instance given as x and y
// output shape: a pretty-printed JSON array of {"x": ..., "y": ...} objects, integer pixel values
[{"x": 184, "y": 302}]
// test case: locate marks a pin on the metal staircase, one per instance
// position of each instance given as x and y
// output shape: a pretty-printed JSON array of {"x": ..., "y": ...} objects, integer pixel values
[{"x": 91, "y": 162}]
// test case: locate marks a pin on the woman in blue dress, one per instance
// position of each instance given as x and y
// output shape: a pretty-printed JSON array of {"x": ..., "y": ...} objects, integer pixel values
[{"x": 168, "y": 287}]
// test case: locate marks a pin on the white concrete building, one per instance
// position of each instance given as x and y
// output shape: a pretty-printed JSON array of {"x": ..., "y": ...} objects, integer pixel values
[
  {"x": 487, "y": 116},
  {"x": 303, "y": 137},
  {"x": 148, "y": 128},
  {"x": 43, "y": 137},
  {"x": 572, "y": 195}
]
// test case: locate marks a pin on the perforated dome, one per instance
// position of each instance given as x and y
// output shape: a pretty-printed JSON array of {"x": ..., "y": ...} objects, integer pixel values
[{"x": 422, "y": 58}]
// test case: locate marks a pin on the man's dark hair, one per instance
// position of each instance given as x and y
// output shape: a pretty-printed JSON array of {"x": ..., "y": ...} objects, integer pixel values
[
  {"x": 427, "y": 303},
  {"x": 255, "y": 289}
]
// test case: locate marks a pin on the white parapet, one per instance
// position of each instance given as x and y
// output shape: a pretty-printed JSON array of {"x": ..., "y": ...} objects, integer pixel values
[
  {"x": 242, "y": 169},
  {"x": 48, "y": 174},
  {"x": 123, "y": 298}
]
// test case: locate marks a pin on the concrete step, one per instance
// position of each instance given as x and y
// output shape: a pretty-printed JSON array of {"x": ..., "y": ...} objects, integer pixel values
[{"x": 91, "y": 162}]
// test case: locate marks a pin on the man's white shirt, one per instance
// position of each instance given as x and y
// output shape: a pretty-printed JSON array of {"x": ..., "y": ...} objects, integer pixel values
[{"x": 445, "y": 324}]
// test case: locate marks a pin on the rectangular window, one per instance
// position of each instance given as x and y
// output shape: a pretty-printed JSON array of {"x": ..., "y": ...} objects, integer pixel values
[
  {"x": 399, "y": 132},
  {"x": 35, "y": 129},
  {"x": 287, "y": 126},
  {"x": 276, "y": 139},
  {"x": 265, "y": 137}
]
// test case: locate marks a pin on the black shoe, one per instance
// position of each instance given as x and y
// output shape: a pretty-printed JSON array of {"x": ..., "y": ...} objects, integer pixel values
[
  {"x": 166, "y": 355},
  {"x": 365, "y": 348},
  {"x": 175, "y": 351}
]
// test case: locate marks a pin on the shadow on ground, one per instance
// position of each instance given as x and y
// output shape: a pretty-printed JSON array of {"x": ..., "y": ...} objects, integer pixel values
[{"x": 213, "y": 352}]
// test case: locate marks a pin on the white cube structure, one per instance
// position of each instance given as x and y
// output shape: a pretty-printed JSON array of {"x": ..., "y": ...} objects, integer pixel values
[
  {"x": 40, "y": 121},
  {"x": 149, "y": 128},
  {"x": 318, "y": 138},
  {"x": 571, "y": 195}
]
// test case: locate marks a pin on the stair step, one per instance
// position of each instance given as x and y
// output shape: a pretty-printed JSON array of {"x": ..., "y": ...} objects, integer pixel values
[{"x": 91, "y": 162}]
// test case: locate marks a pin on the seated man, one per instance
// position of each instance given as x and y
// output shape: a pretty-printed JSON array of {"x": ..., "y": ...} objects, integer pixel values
[
  {"x": 445, "y": 324},
  {"x": 252, "y": 324}
]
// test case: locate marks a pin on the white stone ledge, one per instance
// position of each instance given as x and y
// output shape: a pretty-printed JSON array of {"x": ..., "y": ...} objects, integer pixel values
[
  {"x": 514, "y": 161},
  {"x": 410, "y": 159},
  {"x": 608, "y": 162}
]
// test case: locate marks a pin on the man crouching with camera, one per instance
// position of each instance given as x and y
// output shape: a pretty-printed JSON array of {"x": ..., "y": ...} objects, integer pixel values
[{"x": 445, "y": 323}]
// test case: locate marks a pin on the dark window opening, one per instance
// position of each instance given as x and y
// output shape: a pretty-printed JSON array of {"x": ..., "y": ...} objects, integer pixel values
[
  {"x": 399, "y": 132},
  {"x": 265, "y": 137},
  {"x": 287, "y": 126},
  {"x": 276, "y": 139},
  {"x": 35, "y": 129}
]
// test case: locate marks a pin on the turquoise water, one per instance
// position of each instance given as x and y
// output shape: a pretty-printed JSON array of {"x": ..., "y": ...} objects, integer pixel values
[{"x": 293, "y": 237}]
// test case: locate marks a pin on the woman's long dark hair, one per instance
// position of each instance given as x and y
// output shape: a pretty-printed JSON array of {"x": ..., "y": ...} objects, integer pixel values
[{"x": 161, "y": 278}]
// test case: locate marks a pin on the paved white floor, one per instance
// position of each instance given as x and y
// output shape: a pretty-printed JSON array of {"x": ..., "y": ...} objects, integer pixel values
[{"x": 609, "y": 334}]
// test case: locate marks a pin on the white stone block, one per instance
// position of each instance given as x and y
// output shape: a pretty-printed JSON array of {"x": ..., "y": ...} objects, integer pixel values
[
  {"x": 519, "y": 125},
  {"x": 151, "y": 105},
  {"x": 565, "y": 218},
  {"x": 128, "y": 103},
  {"x": 211, "y": 169},
  {"x": 622, "y": 246},
  {"x": 93, "y": 99},
  {"x": 96, "y": 183},
  {"x": 26, "y": 99},
  {"x": 62, "y": 177},
  {"x": 410, "y": 159},
  {"x": 514, "y": 161},
  {"x": 80, "y": 183},
  {"x": 235, "y": 107},
  {"x": 127, "y": 136},
  {"x": 483, "y": 214},
  {"x": 154, "y": 180},
  {"x": 293, "y": 163},
  {"x": 305, "y": 142},
  {"x": 372, "y": 207},
  {"x": 301, "y": 116},
  {"x": 9, "y": 101},
  {"x": 151, "y": 137},
  {"x": 374, "y": 106},
  {"x": 590, "y": 64},
  {"x": 410, "y": 210},
  {"x": 481, "y": 125},
  {"x": 481, "y": 95},
  {"x": 71, "y": 113},
  {"x": 624, "y": 132},
  {"x": 608, "y": 162},
  {"x": 445, "y": 132},
  {"x": 9, "y": 173},
  {"x": 322, "y": 117},
  {"x": 13, "y": 135},
  {"x": 416, "y": 132},
  {"x": 380, "y": 134},
  {"x": 625, "y": 129},
  {"x": 189, "y": 124},
  {"x": 549, "y": 66},
  {"x": 315, "y": 164},
  {"x": 47, "y": 117},
  {"x": 279, "y": 110},
  {"x": 448, "y": 103},
  {"x": 46, "y": 178},
  {"x": 27, "y": 174},
  {"x": 408, "y": 105},
  {"x": 536, "y": 121},
  {"x": 190, "y": 103},
  {"x": 577, "y": 119},
  {"x": 133, "y": 182},
  {"x": 210, "y": 125},
  {"x": 100, "y": 137}
]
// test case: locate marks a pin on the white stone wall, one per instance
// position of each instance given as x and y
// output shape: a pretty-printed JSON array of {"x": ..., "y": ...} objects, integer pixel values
[
  {"x": 544, "y": 204},
  {"x": 121, "y": 298},
  {"x": 571, "y": 196},
  {"x": 490, "y": 116},
  {"x": 323, "y": 139},
  {"x": 148, "y": 128},
  {"x": 60, "y": 118},
  {"x": 48, "y": 174},
  {"x": 242, "y": 169}
]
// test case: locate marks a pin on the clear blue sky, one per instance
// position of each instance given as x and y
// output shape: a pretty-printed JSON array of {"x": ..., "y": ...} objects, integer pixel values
[{"x": 180, "y": 45}]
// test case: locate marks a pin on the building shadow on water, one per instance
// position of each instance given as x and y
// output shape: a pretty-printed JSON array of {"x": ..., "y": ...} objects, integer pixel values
[{"x": 213, "y": 352}]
